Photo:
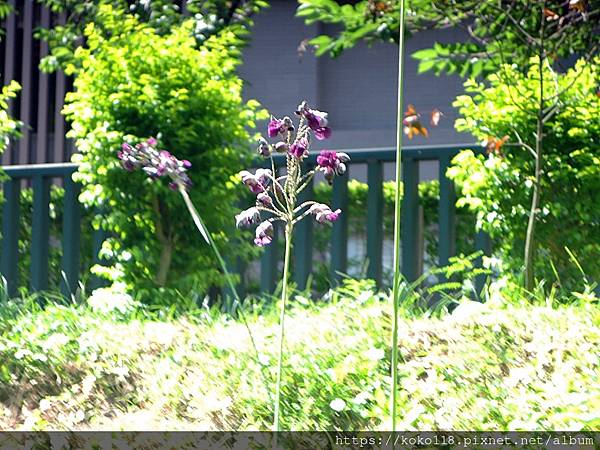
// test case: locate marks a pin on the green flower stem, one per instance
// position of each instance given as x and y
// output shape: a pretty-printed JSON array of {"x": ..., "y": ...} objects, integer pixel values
[
  {"x": 284, "y": 294},
  {"x": 397, "y": 199}
]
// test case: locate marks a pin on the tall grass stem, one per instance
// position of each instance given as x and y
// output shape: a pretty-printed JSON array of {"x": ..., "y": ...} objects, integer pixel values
[{"x": 397, "y": 199}]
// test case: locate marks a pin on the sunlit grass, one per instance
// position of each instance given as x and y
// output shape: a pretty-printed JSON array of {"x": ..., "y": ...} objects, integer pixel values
[{"x": 502, "y": 365}]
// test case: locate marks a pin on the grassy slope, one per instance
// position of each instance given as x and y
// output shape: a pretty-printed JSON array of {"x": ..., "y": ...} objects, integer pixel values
[{"x": 484, "y": 367}]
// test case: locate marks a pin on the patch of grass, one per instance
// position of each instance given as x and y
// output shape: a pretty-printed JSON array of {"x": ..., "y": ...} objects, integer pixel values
[{"x": 108, "y": 364}]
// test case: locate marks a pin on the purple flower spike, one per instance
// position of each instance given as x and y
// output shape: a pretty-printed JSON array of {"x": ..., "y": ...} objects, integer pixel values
[
  {"x": 155, "y": 163},
  {"x": 264, "y": 234},
  {"x": 332, "y": 163},
  {"x": 299, "y": 149},
  {"x": 248, "y": 217},
  {"x": 323, "y": 213}
]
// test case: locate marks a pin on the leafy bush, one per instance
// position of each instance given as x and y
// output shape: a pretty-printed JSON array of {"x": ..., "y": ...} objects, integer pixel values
[
  {"x": 134, "y": 83},
  {"x": 8, "y": 126},
  {"x": 498, "y": 187},
  {"x": 109, "y": 364}
]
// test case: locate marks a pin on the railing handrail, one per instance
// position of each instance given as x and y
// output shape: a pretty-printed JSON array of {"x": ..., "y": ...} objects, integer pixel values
[
  {"x": 386, "y": 154},
  {"x": 357, "y": 155},
  {"x": 44, "y": 170}
]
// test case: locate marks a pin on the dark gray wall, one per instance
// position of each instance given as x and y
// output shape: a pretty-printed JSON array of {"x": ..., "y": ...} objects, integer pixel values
[{"x": 358, "y": 89}]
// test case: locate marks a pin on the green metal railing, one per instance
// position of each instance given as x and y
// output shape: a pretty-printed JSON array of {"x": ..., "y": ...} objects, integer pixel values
[
  {"x": 39, "y": 176},
  {"x": 411, "y": 228}
]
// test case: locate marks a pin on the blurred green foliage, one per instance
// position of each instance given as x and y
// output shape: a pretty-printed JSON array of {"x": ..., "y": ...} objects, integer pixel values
[
  {"x": 495, "y": 33},
  {"x": 135, "y": 83},
  {"x": 497, "y": 188},
  {"x": 209, "y": 18}
]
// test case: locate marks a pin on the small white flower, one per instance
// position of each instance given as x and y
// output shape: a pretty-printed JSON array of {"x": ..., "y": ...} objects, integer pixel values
[
  {"x": 375, "y": 354},
  {"x": 337, "y": 404}
]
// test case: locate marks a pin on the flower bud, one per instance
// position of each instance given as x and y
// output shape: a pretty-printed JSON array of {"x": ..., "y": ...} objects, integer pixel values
[
  {"x": 264, "y": 199},
  {"x": 247, "y": 217},
  {"x": 264, "y": 234},
  {"x": 281, "y": 147},
  {"x": 264, "y": 149}
]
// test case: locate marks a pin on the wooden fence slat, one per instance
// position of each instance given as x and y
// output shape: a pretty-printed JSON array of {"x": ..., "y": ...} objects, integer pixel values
[
  {"x": 375, "y": 220},
  {"x": 42, "y": 112},
  {"x": 59, "y": 100},
  {"x": 446, "y": 210},
  {"x": 71, "y": 238},
  {"x": 409, "y": 222},
  {"x": 303, "y": 240},
  {"x": 40, "y": 233},
  {"x": 9, "y": 68},
  {"x": 10, "y": 235},
  {"x": 339, "y": 238},
  {"x": 26, "y": 75}
]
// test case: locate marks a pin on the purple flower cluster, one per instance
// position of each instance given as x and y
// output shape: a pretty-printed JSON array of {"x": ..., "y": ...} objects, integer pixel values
[
  {"x": 316, "y": 121},
  {"x": 332, "y": 163},
  {"x": 278, "y": 195},
  {"x": 156, "y": 163}
]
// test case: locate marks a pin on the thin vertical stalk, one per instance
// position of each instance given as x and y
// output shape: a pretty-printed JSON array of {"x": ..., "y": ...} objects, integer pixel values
[
  {"x": 539, "y": 144},
  {"x": 284, "y": 294},
  {"x": 397, "y": 275}
]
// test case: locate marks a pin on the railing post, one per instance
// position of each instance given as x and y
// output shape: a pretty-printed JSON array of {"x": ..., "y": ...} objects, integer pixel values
[
  {"x": 10, "y": 235},
  {"x": 375, "y": 220},
  {"x": 303, "y": 240},
  {"x": 339, "y": 239},
  {"x": 71, "y": 238},
  {"x": 410, "y": 219},
  {"x": 446, "y": 210},
  {"x": 269, "y": 264},
  {"x": 40, "y": 233}
]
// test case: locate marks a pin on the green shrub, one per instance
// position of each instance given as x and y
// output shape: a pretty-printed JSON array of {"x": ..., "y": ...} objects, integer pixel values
[
  {"x": 134, "y": 83},
  {"x": 498, "y": 187},
  {"x": 9, "y": 127}
]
